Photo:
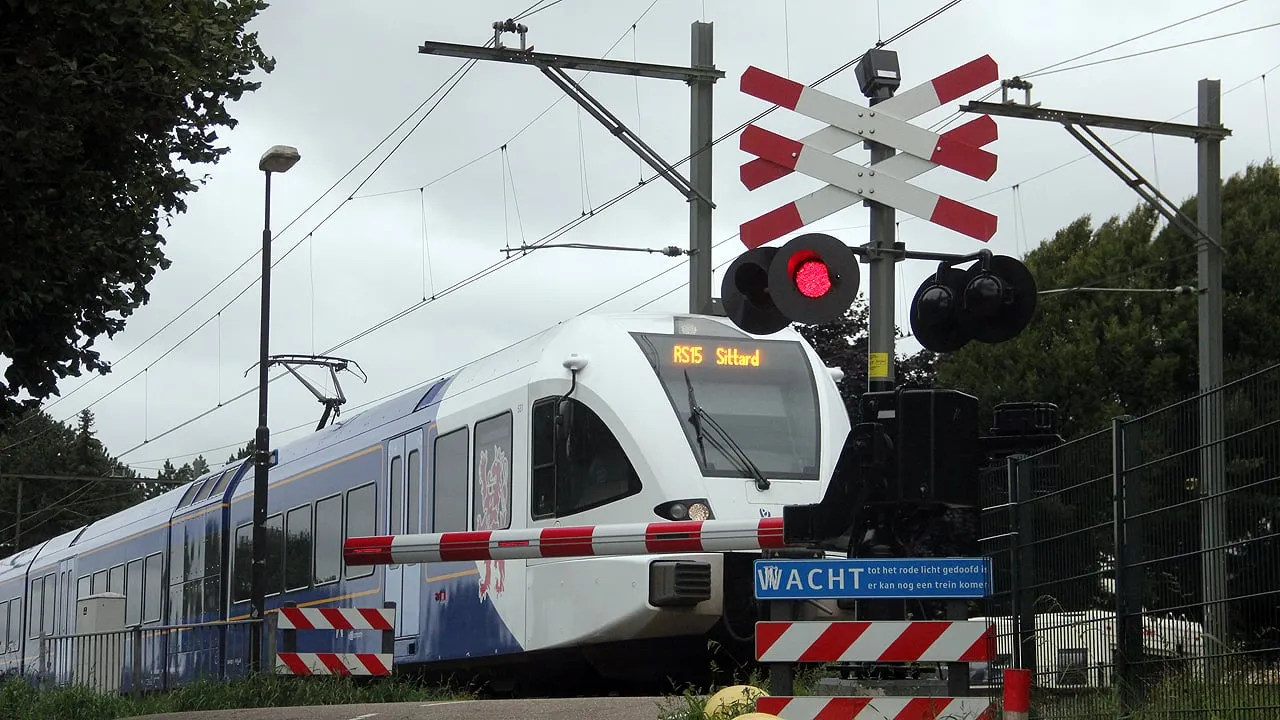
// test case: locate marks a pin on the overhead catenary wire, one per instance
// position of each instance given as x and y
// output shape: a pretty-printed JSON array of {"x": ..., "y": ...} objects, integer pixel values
[
  {"x": 1152, "y": 51},
  {"x": 549, "y": 237}
]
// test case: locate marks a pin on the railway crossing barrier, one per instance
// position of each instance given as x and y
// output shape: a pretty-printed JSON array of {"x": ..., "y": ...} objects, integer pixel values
[
  {"x": 579, "y": 541},
  {"x": 780, "y": 583},
  {"x": 290, "y": 619}
]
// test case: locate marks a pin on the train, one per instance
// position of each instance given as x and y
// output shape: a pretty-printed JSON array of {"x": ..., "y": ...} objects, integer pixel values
[{"x": 605, "y": 418}]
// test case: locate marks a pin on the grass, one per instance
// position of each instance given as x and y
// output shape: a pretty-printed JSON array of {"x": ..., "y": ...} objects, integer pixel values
[
  {"x": 690, "y": 704},
  {"x": 20, "y": 701},
  {"x": 1173, "y": 697}
]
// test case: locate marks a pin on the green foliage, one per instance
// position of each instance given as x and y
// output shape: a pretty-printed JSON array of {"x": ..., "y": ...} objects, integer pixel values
[
  {"x": 843, "y": 343},
  {"x": 1099, "y": 355},
  {"x": 102, "y": 100},
  {"x": 20, "y": 701},
  {"x": 39, "y": 445},
  {"x": 243, "y": 453}
]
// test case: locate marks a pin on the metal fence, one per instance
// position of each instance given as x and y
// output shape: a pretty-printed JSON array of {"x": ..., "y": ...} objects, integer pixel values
[
  {"x": 1137, "y": 569},
  {"x": 143, "y": 659}
]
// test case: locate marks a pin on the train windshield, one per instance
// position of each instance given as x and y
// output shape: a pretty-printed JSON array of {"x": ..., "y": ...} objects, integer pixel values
[{"x": 760, "y": 393}]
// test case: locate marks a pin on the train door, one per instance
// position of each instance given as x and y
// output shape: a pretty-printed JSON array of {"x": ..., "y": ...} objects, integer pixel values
[{"x": 404, "y": 515}]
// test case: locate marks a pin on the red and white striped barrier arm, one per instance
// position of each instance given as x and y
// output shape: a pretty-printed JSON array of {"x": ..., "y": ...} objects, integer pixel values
[
  {"x": 295, "y": 663},
  {"x": 560, "y": 542},
  {"x": 878, "y": 641},
  {"x": 875, "y": 708},
  {"x": 336, "y": 619},
  {"x": 1017, "y": 694}
]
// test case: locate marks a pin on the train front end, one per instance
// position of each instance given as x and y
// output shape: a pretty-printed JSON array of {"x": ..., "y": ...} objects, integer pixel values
[{"x": 715, "y": 424}]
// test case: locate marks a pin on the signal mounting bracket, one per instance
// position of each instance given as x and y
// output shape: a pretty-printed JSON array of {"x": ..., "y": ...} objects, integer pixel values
[{"x": 332, "y": 402}]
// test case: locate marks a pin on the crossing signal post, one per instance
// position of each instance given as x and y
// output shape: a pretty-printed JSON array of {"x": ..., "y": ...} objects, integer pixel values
[{"x": 906, "y": 482}]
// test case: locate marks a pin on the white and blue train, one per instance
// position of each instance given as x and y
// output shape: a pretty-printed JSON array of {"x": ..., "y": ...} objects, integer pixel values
[{"x": 664, "y": 417}]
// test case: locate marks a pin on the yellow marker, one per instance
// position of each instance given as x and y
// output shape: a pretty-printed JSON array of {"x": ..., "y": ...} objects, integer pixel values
[{"x": 878, "y": 365}]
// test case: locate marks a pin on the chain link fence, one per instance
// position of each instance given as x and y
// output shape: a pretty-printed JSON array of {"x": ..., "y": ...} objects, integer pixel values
[{"x": 1137, "y": 569}]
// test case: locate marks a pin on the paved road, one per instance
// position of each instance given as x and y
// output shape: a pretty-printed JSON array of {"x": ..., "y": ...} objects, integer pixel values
[{"x": 612, "y": 708}]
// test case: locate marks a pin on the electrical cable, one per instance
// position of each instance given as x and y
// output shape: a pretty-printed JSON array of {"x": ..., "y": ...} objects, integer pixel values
[
  {"x": 1154, "y": 50},
  {"x": 939, "y": 127},
  {"x": 567, "y": 227}
]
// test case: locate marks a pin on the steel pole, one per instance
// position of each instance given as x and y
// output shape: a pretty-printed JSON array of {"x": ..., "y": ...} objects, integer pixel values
[
  {"x": 700, "y": 140},
  {"x": 1213, "y": 537},
  {"x": 261, "y": 450}
]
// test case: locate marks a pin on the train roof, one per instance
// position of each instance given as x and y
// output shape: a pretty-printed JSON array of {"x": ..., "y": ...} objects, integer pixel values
[
  {"x": 125, "y": 522},
  {"x": 582, "y": 330}
]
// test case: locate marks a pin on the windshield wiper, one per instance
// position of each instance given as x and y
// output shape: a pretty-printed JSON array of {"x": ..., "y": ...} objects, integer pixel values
[{"x": 738, "y": 456}]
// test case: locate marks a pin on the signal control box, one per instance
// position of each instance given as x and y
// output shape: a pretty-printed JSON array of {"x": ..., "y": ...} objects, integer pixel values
[{"x": 934, "y": 451}]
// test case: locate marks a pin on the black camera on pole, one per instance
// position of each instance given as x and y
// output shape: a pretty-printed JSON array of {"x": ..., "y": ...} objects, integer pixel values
[{"x": 813, "y": 278}]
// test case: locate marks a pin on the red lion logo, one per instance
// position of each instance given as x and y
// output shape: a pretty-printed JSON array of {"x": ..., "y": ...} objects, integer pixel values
[{"x": 493, "y": 474}]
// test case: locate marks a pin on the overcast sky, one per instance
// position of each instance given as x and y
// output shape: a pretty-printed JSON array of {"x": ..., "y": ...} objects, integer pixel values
[{"x": 348, "y": 72}]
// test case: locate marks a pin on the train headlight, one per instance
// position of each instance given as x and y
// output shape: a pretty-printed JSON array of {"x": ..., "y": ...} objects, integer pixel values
[{"x": 692, "y": 509}]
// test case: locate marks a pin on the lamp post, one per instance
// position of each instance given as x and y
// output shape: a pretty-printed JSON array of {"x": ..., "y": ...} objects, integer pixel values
[{"x": 277, "y": 159}]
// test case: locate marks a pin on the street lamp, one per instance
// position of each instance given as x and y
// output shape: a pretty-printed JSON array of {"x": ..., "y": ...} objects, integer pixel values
[{"x": 277, "y": 159}]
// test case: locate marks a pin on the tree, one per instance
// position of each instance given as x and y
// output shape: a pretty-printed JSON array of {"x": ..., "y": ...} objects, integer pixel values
[
  {"x": 1099, "y": 355},
  {"x": 42, "y": 446},
  {"x": 843, "y": 343},
  {"x": 243, "y": 453},
  {"x": 102, "y": 101}
]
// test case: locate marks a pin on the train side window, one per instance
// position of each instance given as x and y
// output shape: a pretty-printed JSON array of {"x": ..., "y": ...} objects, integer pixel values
[
  {"x": 590, "y": 467},
  {"x": 492, "y": 498},
  {"x": 50, "y": 595},
  {"x": 99, "y": 582},
  {"x": 297, "y": 548},
  {"x": 362, "y": 514},
  {"x": 37, "y": 602},
  {"x": 15, "y": 623},
  {"x": 395, "y": 488},
  {"x": 82, "y": 587},
  {"x": 115, "y": 579},
  {"x": 242, "y": 563},
  {"x": 224, "y": 481},
  {"x": 413, "y": 493},
  {"x": 152, "y": 583},
  {"x": 328, "y": 539},
  {"x": 133, "y": 593},
  {"x": 450, "y": 480},
  {"x": 274, "y": 570},
  {"x": 543, "y": 458},
  {"x": 4, "y": 626}
]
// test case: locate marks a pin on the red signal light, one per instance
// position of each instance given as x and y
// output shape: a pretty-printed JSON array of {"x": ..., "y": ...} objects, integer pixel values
[{"x": 812, "y": 278}]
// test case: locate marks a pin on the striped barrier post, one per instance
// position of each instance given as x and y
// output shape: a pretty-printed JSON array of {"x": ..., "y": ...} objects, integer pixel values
[
  {"x": 291, "y": 619},
  {"x": 782, "y": 643},
  {"x": 1017, "y": 694}
]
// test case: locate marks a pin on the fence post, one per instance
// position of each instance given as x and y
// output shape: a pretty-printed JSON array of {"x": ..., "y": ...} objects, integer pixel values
[
  {"x": 1023, "y": 565},
  {"x": 269, "y": 623},
  {"x": 782, "y": 676},
  {"x": 41, "y": 661},
  {"x": 1127, "y": 572},
  {"x": 1017, "y": 694},
  {"x": 135, "y": 683},
  {"x": 389, "y": 636}
]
